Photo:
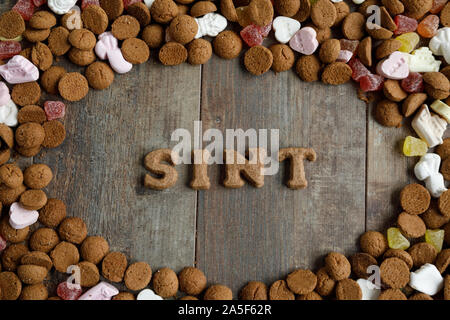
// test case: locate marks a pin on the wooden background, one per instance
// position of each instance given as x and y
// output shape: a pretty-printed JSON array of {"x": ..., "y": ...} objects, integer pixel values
[{"x": 233, "y": 235}]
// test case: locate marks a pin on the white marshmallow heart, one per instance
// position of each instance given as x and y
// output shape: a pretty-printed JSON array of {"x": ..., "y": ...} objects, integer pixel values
[
  {"x": 285, "y": 28},
  {"x": 20, "y": 218},
  {"x": 427, "y": 280},
  {"x": 210, "y": 24},
  {"x": 440, "y": 43},
  {"x": 148, "y": 294}
]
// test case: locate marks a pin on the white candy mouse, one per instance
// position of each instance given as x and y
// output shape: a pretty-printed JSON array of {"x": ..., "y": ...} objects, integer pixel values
[
  {"x": 285, "y": 28},
  {"x": 429, "y": 127},
  {"x": 440, "y": 43},
  {"x": 210, "y": 24},
  {"x": 427, "y": 279},
  {"x": 427, "y": 169}
]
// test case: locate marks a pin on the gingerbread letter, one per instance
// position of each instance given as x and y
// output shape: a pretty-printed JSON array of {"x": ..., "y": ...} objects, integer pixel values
[
  {"x": 200, "y": 179},
  {"x": 235, "y": 164},
  {"x": 153, "y": 163},
  {"x": 297, "y": 179}
]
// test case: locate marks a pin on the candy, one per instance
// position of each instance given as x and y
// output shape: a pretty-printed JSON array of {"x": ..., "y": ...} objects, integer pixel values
[
  {"x": 148, "y": 294},
  {"x": 371, "y": 82},
  {"x": 435, "y": 238},
  {"x": 9, "y": 49},
  {"x": 440, "y": 43},
  {"x": 344, "y": 56},
  {"x": 19, "y": 70},
  {"x": 54, "y": 110},
  {"x": 285, "y": 28},
  {"x": 149, "y": 3},
  {"x": 369, "y": 290},
  {"x": 413, "y": 83},
  {"x": 428, "y": 27},
  {"x": 266, "y": 30},
  {"x": 210, "y": 24},
  {"x": 409, "y": 41},
  {"x": 441, "y": 109},
  {"x": 413, "y": 147},
  {"x": 20, "y": 218},
  {"x": 427, "y": 279},
  {"x": 438, "y": 5},
  {"x": 304, "y": 41},
  {"x": 422, "y": 60},
  {"x": 74, "y": 19},
  {"x": 394, "y": 67},
  {"x": 61, "y": 6},
  {"x": 39, "y": 3},
  {"x": 396, "y": 240},
  {"x": 127, "y": 3},
  {"x": 358, "y": 69},
  {"x": 350, "y": 45},
  {"x": 252, "y": 35},
  {"x": 68, "y": 291},
  {"x": 4, "y": 94},
  {"x": 86, "y": 3},
  {"x": 404, "y": 24},
  {"x": 26, "y": 9},
  {"x": 429, "y": 127},
  {"x": 102, "y": 291},
  {"x": 8, "y": 113},
  {"x": 108, "y": 47},
  {"x": 427, "y": 169}
]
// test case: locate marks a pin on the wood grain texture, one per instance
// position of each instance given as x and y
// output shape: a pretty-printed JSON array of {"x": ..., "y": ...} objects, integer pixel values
[{"x": 262, "y": 234}]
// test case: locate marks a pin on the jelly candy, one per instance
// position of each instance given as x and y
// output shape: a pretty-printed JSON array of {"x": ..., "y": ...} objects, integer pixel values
[
  {"x": 54, "y": 110},
  {"x": 265, "y": 30},
  {"x": 39, "y": 3},
  {"x": 9, "y": 49},
  {"x": 349, "y": 45},
  {"x": 409, "y": 41},
  {"x": 371, "y": 82},
  {"x": 252, "y": 36},
  {"x": 85, "y": 3},
  {"x": 26, "y": 8},
  {"x": 358, "y": 69},
  {"x": 428, "y": 27},
  {"x": 404, "y": 24},
  {"x": 68, "y": 291},
  {"x": 435, "y": 238},
  {"x": 413, "y": 83},
  {"x": 413, "y": 147},
  {"x": 2, "y": 244},
  {"x": 438, "y": 5},
  {"x": 127, "y": 3},
  {"x": 396, "y": 240}
]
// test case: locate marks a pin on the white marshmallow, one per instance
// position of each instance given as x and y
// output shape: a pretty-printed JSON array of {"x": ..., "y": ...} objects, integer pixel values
[
  {"x": 285, "y": 28},
  {"x": 441, "y": 109},
  {"x": 148, "y": 294},
  {"x": 210, "y": 24},
  {"x": 8, "y": 114},
  {"x": 422, "y": 60},
  {"x": 61, "y": 6},
  {"x": 427, "y": 279},
  {"x": 429, "y": 127},
  {"x": 440, "y": 43},
  {"x": 427, "y": 169},
  {"x": 368, "y": 289}
]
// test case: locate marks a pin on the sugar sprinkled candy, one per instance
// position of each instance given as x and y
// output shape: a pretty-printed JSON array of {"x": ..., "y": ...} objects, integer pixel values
[
  {"x": 86, "y": 3},
  {"x": 413, "y": 147},
  {"x": 26, "y": 9},
  {"x": 435, "y": 238},
  {"x": 54, "y": 110},
  {"x": 409, "y": 41},
  {"x": 413, "y": 83},
  {"x": 68, "y": 291},
  {"x": 396, "y": 240},
  {"x": 404, "y": 24},
  {"x": 428, "y": 27},
  {"x": 371, "y": 82},
  {"x": 358, "y": 69},
  {"x": 252, "y": 36},
  {"x": 9, "y": 49}
]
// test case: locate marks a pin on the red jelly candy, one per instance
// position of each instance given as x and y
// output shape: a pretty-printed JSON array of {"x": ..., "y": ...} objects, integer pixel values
[
  {"x": 127, "y": 3},
  {"x": 2, "y": 244},
  {"x": 252, "y": 36},
  {"x": 428, "y": 27},
  {"x": 438, "y": 5},
  {"x": 358, "y": 69},
  {"x": 371, "y": 82},
  {"x": 68, "y": 291},
  {"x": 349, "y": 45},
  {"x": 54, "y": 110},
  {"x": 9, "y": 49},
  {"x": 413, "y": 83},
  {"x": 39, "y": 3},
  {"x": 265, "y": 30},
  {"x": 85, "y": 3},
  {"x": 26, "y": 8},
  {"x": 405, "y": 24}
]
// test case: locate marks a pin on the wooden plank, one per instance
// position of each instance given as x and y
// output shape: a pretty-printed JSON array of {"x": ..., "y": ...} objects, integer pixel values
[{"x": 262, "y": 234}]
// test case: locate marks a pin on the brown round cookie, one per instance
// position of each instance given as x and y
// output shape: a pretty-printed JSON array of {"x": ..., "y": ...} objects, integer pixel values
[
  {"x": 348, "y": 289},
  {"x": 301, "y": 281},
  {"x": 443, "y": 150},
  {"x": 31, "y": 113},
  {"x": 11, "y": 175},
  {"x": 329, "y": 50},
  {"x": 394, "y": 273},
  {"x": 373, "y": 243},
  {"x": 280, "y": 291},
  {"x": 29, "y": 135},
  {"x": 30, "y": 274},
  {"x": 53, "y": 213},
  {"x": 412, "y": 103},
  {"x": 433, "y": 218},
  {"x": 337, "y": 73},
  {"x": 64, "y": 255},
  {"x": 304, "y": 11},
  {"x": 99, "y": 75},
  {"x": 218, "y": 292},
  {"x": 183, "y": 29},
  {"x": 436, "y": 85},
  {"x": 360, "y": 263},
  {"x": 55, "y": 133},
  {"x": 36, "y": 35},
  {"x": 260, "y": 12},
  {"x": 308, "y": 68},
  {"x": 387, "y": 113},
  {"x": 37, "y": 176},
  {"x": 254, "y": 290},
  {"x": 95, "y": 19},
  {"x": 378, "y": 32},
  {"x": 27, "y": 93},
  {"x": 445, "y": 169},
  {"x": 10, "y": 195},
  {"x": 82, "y": 39},
  {"x": 192, "y": 281},
  {"x": 41, "y": 56},
  {"x": 243, "y": 17},
  {"x": 200, "y": 8},
  {"x": 165, "y": 283},
  {"x": 228, "y": 10},
  {"x": 33, "y": 199},
  {"x": 411, "y": 225},
  {"x": 28, "y": 152},
  {"x": 172, "y": 54},
  {"x": 422, "y": 253},
  {"x": 227, "y": 45},
  {"x": 113, "y": 8},
  {"x": 114, "y": 265},
  {"x": 44, "y": 240},
  {"x": 313, "y": 296},
  {"x": 325, "y": 284},
  {"x": 393, "y": 91},
  {"x": 34, "y": 292},
  {"x": 416, "y": 9},
  {"x": 73, "y": 86},
  {"x": 444, "y": 203},
  {"x": 387, "y": 47},
  {"x": 153, "y": 35},
  {"x": 94, "y": 249},
  {"x": 138, "y": 276},
  {"x": 323, "y": 13},
  {"x": 135, "y": 51},
  {"x": 322, "y": 34},
  {"x": 124, "y": 295},
  {"x": 420, "y": 296},
  {"x": 394, "y": 7},
  {"x": 401, "y": 254},
  {"x": 141, "y": 12},
  {"x": 446, "y": 71},
  {"x": 283, "y": 57},
  {"x": 37, "y": 258},
  {"x": 50, "y": 79},
  {"x": 10, "y": 286},
  {"x": 337, "y": 266},
  {"x": 81, "y": 58},
  {"x": 42, "y": 20},
  {"x": 125, "y": 27},
  {"x": 364, "y": 51},
  {"x": 258, "y": 60},
  {"x": 89, "y": 274},
  {"x": 12, "y": 254},
  {"x": 287, "y": 8},
  {"x": 12, "y": 25},
  {"x": 353, "y": 26},
  {"x": 163, "y": 11},
  {"x": 342, "y": 10},
  {"x": 443, "y": 260},
  {"x": 199, "y": 51},
  {"x": 73, "y": 229},
  {"x": 392, "y": 294}
]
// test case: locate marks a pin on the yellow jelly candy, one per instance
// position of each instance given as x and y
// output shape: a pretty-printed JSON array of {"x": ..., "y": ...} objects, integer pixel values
[
  {"x": 409, "y": 41},
  {"x": 413, "y": 147},
  {"x": 396, "y": 240},
  {"x": 435, "y": 238}
]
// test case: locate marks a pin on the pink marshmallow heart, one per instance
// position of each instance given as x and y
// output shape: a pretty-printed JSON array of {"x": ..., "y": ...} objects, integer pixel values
[
  {"x": 394, "y": 67},
  {"x": 20, "y": 218},
  {"x": 102, "y": 291},
  {"x": 304, "y": 41},
  {"x": 19, "y": 70},
  {"x": 4, "y": 94}
]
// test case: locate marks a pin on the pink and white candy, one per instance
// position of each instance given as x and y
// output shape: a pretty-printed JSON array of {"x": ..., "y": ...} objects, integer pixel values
[
  {"x": 394, "y": 67},
  {"x": 20, "y": 218},
  {"x": 304, "y": 41},
  {"x": 102, "y": 291},
  {"x": 108, "y": 47},
  {"x": 4, "y": 94},
  {"x": 19, "y": 70}
]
